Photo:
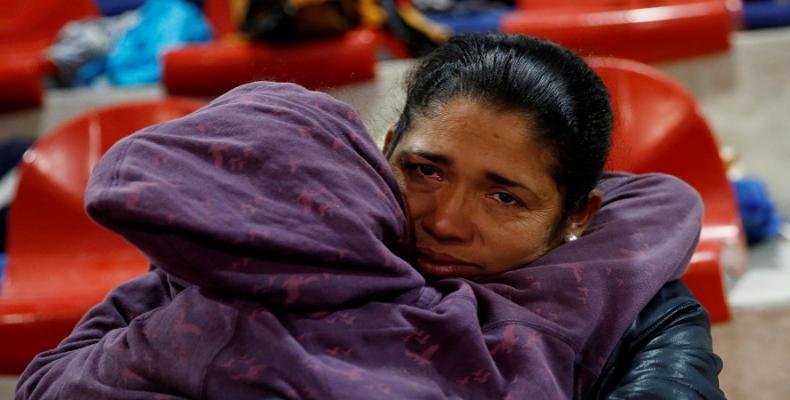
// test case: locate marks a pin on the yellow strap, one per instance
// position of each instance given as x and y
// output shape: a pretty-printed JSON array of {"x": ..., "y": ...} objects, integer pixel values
[
  {"x": 371, "y": 14},
  {"x": 306, "y": 3},
  {"x": 414, "y": 18},
  {"x": 238, "y": 10}
]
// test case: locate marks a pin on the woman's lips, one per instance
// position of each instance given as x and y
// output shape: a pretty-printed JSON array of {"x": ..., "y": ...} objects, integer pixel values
[{"x": 437, "y": 264}]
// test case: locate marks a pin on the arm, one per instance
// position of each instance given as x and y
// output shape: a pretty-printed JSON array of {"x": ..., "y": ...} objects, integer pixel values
[
  {"x": 122, "y": 305},
  {"x": 161, "y": 354},
  {"x": 666, "y": 353},
  {"x": 642, "y": 237},
  {"x": 657, "y": 214}
]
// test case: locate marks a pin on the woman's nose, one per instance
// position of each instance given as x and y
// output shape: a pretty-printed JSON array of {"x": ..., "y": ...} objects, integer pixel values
[{"x": 450, "y": 220}]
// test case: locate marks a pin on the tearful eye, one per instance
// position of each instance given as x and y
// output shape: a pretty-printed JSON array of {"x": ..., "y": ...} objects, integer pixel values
[
  {"x": 506, "y": 199},
  {"x": 422, "y": 176},
  {"x": 426, "y": 170}
]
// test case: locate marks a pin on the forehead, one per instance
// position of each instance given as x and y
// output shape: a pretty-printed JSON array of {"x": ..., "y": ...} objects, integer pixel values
[
  {"x": 474, "y": 134},
  {"x": 463, "y": 121}
]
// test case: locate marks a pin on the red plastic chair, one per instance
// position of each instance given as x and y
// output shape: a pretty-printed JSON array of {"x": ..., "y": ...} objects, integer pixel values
[
  {"x": 214, "y": 68},
  {"x": 23, "y": 22},
  {"x": 660, "y": 128},
  {"x": 60, "y": 263},
  {"x": 20, "y": 81},
  {"x": 643, "y": 30},
  {"x": 26, "y": 29}
]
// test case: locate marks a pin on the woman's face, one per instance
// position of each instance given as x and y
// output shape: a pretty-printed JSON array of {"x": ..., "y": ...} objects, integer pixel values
[{"x": 480, "y": 191}]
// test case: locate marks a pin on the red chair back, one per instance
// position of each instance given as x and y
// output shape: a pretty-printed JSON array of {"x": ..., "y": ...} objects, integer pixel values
[
  {"x": 26, "y": 29},
  {"x": 218, "y": 13},
  {"x": 24, "y": 21},
  {"x": 60, "y": 263},
  {"x": 643, "y": 30},
  {"x": 660, "y": 128}
]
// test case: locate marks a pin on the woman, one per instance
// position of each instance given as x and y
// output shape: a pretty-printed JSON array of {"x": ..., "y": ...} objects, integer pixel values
[
  {"x": 202, "y": 259},
  {"x": 469, "y": 105}
]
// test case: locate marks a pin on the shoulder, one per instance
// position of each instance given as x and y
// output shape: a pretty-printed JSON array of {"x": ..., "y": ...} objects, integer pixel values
[
  {"x": 618, "y": 184},
  {"x": 669, "y": 341}
]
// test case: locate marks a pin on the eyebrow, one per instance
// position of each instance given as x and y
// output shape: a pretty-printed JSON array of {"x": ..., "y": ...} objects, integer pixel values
[
  {"x": 490, "y": 176},
  {"x": 501, "y": 180},
  {"x": 433, "y": 157}
]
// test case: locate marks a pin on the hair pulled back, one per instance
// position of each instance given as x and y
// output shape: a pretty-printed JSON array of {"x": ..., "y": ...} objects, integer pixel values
[{"x": 562, "y": 97}]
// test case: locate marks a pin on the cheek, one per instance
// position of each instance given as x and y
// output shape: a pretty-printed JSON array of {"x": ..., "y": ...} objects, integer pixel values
[
  {"x": 420, "y": 203},
  {"x": 399, "y": 177},
  {"x": 517, "y": 243}
]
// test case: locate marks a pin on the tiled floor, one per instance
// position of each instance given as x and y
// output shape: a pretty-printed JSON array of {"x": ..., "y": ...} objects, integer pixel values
[
  {"x": 7, "y": 384},
  {"x": 746, "y": 97},
  {"x": 755, "y": 345},
  {"x": 755, "y": 348},
  {"x": 767, "y": 282}
]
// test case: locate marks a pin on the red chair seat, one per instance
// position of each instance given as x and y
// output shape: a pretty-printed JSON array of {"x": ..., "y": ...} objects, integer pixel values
[
  {"x": 214, "y": 68},
  {"x": 643, "y": 30},
  {"x": 26, "y": 30},
  {"x": 20, "y": 82}
]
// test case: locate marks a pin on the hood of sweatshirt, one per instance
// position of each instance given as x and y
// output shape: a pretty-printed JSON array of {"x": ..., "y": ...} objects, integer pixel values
[{"x": 271, "y": 192}]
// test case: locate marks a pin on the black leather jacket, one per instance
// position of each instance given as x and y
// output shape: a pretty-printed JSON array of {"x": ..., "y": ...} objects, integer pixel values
[{"x": 666, "y": 353}]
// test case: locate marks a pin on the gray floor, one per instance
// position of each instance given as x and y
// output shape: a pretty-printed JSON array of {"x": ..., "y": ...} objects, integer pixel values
[
  {"x": 745, "y": 94},
  {"x": 7, "y": 384}
]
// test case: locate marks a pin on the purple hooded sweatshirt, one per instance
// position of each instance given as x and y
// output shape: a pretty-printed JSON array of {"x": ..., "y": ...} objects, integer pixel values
[{"x": 279, "y": 249}]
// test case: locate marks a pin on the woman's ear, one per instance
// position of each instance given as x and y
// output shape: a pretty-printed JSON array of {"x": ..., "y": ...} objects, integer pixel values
[
  {"x": 388, "y": 140},
  {"x": 579, "y": 220}
]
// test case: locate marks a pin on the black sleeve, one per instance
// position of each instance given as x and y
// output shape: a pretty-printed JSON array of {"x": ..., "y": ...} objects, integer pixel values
[{"x": 667, "y": 353}]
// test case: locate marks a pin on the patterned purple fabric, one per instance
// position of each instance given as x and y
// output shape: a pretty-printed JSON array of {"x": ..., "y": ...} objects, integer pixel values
[
  {"x": 279, "y": 248},
  {"x": 263, "y": 194}
]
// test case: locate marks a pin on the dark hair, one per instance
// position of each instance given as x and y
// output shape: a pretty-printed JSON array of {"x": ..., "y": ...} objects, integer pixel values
[{"x": 560, "y": 94}]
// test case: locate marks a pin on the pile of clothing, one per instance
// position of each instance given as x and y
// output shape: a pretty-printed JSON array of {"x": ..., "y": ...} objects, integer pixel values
[
  {"x": 125, "y": 45},
  {"x": 126, "y": 48}
]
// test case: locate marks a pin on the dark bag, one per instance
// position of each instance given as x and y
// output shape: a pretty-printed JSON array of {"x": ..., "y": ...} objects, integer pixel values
[{"x": 289, "y": 21}]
